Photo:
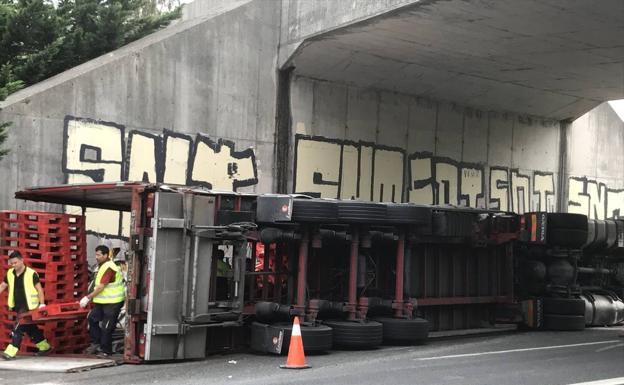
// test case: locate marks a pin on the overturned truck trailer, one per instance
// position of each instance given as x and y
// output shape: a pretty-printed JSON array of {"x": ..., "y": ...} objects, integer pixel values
[{"x": 210, "y": 269}]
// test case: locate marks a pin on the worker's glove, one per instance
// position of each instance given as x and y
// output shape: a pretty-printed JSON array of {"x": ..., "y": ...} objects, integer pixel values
[
  {"x": 84, "y": 301},
  {"x": 41, "y": 305}
]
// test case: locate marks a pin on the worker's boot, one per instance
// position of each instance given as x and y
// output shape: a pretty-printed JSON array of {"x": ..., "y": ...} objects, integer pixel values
[
  {"x": 44, "y": 348},
  {"x": 10, "y": 352}
]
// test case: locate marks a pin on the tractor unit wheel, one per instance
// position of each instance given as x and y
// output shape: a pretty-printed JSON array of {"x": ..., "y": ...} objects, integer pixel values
[
  {"x": 567, "y": 238},
  {"x": 564, "y": 322},
  {"x": 563, "y": 306},
  {"x": 567, "y": 221},
  {"x": 600, "y": 240}
]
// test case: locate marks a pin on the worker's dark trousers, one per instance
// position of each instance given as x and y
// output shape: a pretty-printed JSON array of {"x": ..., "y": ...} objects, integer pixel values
[
  {"x": 107, "y": 315},
  {"x": 18, "y": 332}
]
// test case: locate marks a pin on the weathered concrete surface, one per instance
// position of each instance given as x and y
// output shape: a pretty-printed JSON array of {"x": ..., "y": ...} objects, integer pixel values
[
  {"x": 595, "y": 174},
  {"x": 302, "y": 19},
  {"x": 211, "y": 8},
  {"x": 213, "y": 75},
  {"x": 433, "y": 152},
  {"x": 545, "y": 58}
]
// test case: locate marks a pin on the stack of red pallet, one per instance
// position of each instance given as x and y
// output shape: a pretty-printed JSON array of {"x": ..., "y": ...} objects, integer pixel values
[{"x": 54, "y": 245}]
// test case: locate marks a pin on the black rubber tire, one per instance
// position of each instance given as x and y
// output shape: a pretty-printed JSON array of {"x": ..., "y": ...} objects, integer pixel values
[
  {"x": 591, "y": 233},
  {"x": 316, "y": 338},
  {"x": 564, "y": 322},
  {"x": 611, "y": 233},
  {"x": 314, "y": 210},
  {"x": 409, "y": 213},
  {"x": 620, "y": 233},
  {"x": 567, "y": 221},
  {"x": 563, "y": 306},
  {"x": 600, "y": 240},
  {"x": 453, "y": 223},
  {"x": 401, "y": 331},
  {"x": 356, "y": 335},
  {"x": 361, "y": 212},
  {"x": 568, "y": 238}
]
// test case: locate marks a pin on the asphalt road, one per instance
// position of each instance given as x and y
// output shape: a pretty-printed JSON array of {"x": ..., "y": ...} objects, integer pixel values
[{"x": 516, "y": 358}]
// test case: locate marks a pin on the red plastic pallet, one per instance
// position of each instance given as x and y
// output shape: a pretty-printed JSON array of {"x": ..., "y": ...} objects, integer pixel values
[
  {"x": 69, "y": 310},
  {"x": 41, "y": 217},
  {"x": 77, "y": 238},
  {"x": 26, "y": 246},
  {"x": 40, "y": 228},
  {"x": 31, "y": 257}
]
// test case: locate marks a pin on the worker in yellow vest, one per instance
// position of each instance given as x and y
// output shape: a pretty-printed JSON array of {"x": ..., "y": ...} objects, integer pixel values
[
  {"x": 25, "y": 294},
  {"x": 108, "y": 296}
]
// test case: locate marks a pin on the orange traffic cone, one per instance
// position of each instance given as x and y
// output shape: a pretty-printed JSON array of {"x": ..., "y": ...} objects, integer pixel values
[{"x": 296, "y": 358}]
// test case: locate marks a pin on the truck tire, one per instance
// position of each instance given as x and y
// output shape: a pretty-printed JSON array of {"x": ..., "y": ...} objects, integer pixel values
[
  {"x": 563, "y": 306},
  {"x": 356, "y": 335},
  {"x": 612, "y": 234},
  {"x": 564, "y": 322},
  {"x": 400, "y": 331},
  {"x": 568, "y": 238},
  {"x": 409, "y": 213},
  {"x": 361, "y": 212},
  {"x": 316, "y": 338},
  {"x": 314, "y": 210},
  {"x": 591, "y": 233},
  {"x": 600, "y": 240},
  {"x": 567, "y": 221}
]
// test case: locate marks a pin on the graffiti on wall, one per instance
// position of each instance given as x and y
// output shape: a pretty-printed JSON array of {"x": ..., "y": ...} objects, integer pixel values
[
  {"x": 348, "y": 170},
  {"x": 594, "y": 199},
  {"x": 438, "y": 180},
  {"x": 333, "y": 168},
  {"x": 96, "y": 151}
]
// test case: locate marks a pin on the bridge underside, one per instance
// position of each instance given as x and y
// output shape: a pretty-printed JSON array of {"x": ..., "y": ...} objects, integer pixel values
[{"x": 556, "y": 59}]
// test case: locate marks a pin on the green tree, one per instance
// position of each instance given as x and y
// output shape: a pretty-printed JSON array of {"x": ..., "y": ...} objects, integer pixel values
[{"x": 39, "y": 39}]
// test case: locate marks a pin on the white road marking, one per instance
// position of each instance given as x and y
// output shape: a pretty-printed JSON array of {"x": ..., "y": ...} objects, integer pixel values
[
  {"x": 516, "y": 350},
  {"x": 608, "y": 381},
  {"x": 608, "y": 348}
]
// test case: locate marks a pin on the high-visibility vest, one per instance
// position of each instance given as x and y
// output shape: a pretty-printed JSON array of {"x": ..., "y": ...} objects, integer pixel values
[
  {"x": 114, "y": 292},
  {"x": 223, "y": 268},
  {"x": 32, "y": 296}
]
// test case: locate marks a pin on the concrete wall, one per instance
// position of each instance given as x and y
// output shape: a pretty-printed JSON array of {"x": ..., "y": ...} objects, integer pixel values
[
  {"x": 196, "y": 104},
  {"x": 192, "y": 104},
  {"x": 595, "y": 160},
  {"x": 377, "y": 145},
  {"x": 302, "y": 19}
]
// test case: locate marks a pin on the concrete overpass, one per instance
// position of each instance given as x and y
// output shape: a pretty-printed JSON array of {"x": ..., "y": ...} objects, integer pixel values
[
  {"x": 556, "y": 59},
  {"x": 446, "y": 102}
]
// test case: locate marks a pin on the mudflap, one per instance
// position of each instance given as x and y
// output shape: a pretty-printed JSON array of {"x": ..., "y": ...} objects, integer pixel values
[{"x": 266, "y": 339}]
